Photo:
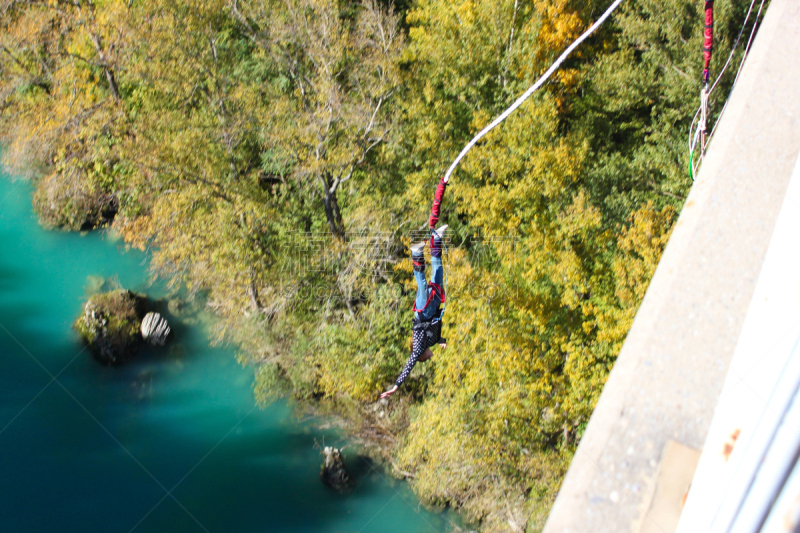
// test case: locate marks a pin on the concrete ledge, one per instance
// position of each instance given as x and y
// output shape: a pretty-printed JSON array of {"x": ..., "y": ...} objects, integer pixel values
[{"x": 670, "y": 372}]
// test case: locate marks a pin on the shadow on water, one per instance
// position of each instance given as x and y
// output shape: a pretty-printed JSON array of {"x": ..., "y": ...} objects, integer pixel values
[
  {"x": 99, "y": 449},
  {"x": 9, "y": 277}
]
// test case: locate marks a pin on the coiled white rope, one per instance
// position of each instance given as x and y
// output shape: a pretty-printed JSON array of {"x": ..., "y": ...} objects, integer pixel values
[{"x": 532, "y": 90}]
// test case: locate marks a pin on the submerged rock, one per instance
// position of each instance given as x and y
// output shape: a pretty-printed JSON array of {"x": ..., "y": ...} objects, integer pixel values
[
  {"x": 94, "y": 284},
  {"x": 333, "y": 472},
  {"x": 188, "y": 310},
  {"x": 110, "y": 325},
  {"x": 155, "y": 329}
]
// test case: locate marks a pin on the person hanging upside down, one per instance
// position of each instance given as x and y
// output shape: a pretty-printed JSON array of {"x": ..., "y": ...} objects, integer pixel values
[{"x": 426, "y": 328}]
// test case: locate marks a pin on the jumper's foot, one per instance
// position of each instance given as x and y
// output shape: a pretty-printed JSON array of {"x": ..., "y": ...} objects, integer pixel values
[
  {"x": 417, "y": 257},
  {"x": 436, "y": 240}
]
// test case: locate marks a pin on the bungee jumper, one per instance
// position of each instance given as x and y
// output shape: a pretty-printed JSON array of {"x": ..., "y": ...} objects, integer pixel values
[
  {"x": 427, "y": 325},
  {"x": 426, "y": 328}
]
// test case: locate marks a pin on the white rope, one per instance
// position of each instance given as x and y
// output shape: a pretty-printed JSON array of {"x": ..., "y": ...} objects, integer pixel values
[
  {"x": 739, "y": 71},
  {"x": 532, "y": 90},
  {"x": 735, "y": 44},
  {"x": 692, "y": 131},
  {"x": 749, "y": 42},
  {"x": 692, "y": 143}
]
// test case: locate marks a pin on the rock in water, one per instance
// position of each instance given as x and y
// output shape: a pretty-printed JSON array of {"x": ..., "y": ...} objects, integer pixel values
[
  {"x": 110, "y": 325},
  {"x": 155, "y": 329},
  {"x": 333, "y": 472}
]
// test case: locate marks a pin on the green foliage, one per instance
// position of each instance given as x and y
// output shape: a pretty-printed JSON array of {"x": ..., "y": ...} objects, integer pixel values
[{"x": 276, "y": 154}]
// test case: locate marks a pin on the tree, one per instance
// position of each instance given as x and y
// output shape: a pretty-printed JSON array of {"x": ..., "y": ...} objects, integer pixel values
[
  {"x": 199, "y": 198},
  {"x": 61, "y": 101},
  {"x": 339, "y": 63}
]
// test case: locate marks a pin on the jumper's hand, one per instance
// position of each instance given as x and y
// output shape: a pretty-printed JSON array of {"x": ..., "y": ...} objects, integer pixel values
[
  {"x": 389, "y": 392},
  {"x": 443, "y": 346}
]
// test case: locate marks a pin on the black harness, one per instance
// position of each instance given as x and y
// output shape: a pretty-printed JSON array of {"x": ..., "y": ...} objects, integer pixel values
[{"x": 432, "y": 329}]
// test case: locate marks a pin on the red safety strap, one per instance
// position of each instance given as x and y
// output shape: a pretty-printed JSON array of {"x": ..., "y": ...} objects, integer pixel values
[
  {"x": 437, "y": 289},
  {"x": 437, "y": 202},
  {"x": 708, "y": 38}
]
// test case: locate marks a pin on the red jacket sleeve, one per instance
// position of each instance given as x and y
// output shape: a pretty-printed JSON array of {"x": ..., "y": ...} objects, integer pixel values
[{"x": 437, "y": 202}]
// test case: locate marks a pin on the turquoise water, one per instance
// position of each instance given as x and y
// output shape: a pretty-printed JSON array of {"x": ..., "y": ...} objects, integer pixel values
[{"x": 170, "y": 442}]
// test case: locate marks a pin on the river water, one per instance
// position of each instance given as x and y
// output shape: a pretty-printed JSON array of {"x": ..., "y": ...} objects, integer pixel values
[{"x": 170, "y": 442}]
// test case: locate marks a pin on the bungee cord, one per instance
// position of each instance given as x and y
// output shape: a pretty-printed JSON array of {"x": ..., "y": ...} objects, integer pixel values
[
  {"x": 513, "y": 107},
  {"x": 531, "y": 90},
  {"x": 694, "y": 135}
]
